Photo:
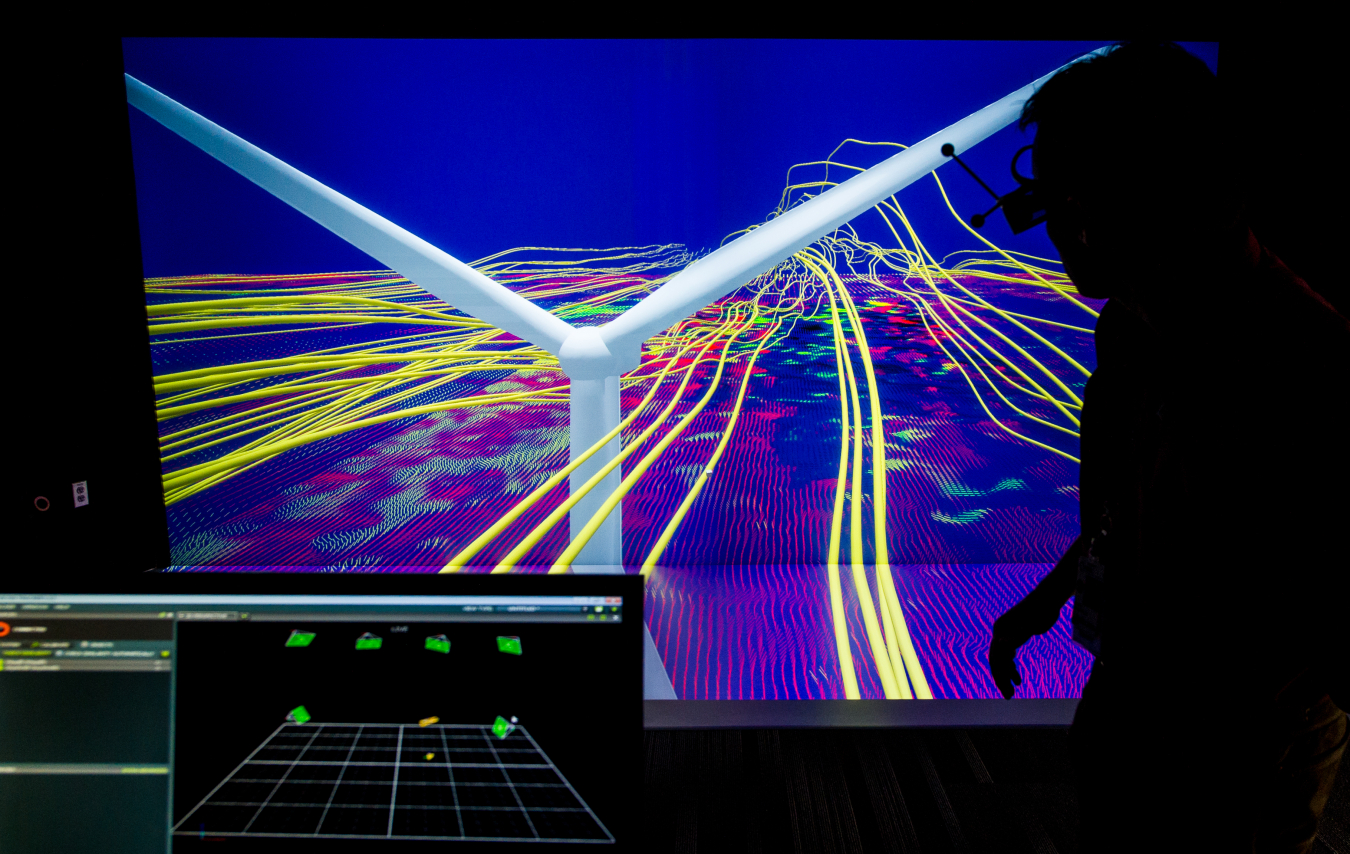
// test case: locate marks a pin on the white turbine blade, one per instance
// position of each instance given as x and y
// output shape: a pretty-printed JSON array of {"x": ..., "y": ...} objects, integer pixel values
[
  {"x": 752, "y": 254},
  {"x": 439, "y": 273}
]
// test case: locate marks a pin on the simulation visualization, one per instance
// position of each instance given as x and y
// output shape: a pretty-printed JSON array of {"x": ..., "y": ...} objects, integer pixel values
[
  {"x": 834, "y": 475},
  {"x": 429, "y": 781}
]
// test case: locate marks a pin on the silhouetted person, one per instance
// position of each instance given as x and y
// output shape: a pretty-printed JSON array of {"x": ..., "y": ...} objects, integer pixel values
[{"x": 1213, "y": 479}]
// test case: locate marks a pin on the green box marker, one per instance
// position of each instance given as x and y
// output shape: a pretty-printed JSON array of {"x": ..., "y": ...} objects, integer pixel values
[
  {"x": 299, "y": 638},
  {"x": 439, "y": 643},
  {"x": 299, "y": 715},
  {"x": 369, "y": 641},
  {"x": 502, "y": 727},
  {"x": 511, "y": 645}
]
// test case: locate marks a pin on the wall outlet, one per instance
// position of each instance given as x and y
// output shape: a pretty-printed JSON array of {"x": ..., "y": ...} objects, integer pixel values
[{"x": 81, "y": 491}]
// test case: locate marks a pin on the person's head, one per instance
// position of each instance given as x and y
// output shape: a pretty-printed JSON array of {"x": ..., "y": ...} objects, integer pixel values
[{"x": 1135, "y": 149}]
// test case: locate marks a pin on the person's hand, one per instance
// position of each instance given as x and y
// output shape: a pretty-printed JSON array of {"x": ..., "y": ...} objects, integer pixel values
[
  {"x": 1036, "y": 614},
  {"x": 1003, "y": 665}
]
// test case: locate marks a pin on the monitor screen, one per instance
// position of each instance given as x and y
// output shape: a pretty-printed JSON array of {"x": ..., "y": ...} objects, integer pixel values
[
  {"x": 834, "y": 473},
  {"x": 335, "y": 719}
]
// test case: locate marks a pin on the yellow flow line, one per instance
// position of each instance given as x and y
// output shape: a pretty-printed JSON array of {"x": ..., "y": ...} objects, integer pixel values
[
  {"x": 574, "y": 548},
  {"x": 464, "y": 555},
  {"x": 838, "y": 617},
  {"x": 876, "y": 640},
  {"x": 650, "y": 563}
]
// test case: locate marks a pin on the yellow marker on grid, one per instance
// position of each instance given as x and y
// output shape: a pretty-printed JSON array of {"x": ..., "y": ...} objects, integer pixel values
[{"x": 428, "y": 721}]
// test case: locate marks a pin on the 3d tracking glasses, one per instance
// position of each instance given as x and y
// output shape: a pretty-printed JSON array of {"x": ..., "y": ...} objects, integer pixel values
[{"x": 1024, "y": 207}]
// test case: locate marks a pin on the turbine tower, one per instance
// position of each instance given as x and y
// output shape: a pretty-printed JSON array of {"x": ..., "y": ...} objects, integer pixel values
[{"x": 592, "y": 357}]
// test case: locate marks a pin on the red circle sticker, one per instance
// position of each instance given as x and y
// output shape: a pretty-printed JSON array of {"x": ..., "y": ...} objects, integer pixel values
[{"x": 4, "y": 629}]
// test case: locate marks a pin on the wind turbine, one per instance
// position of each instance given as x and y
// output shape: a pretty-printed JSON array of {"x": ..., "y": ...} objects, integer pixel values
[{"x": 592, "y": 357}]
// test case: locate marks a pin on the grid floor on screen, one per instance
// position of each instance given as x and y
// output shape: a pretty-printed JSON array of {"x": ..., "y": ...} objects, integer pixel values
[{"x": 376, "y": 781}]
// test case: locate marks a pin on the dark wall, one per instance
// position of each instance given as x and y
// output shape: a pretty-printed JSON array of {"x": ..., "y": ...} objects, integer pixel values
[
  {"x": 83, "y": 408},
  {"x": 1286, "y": 81}
]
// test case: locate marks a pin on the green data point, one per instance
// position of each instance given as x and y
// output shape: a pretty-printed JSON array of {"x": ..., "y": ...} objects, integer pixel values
[
  {"x": 438, "y": 643},
  {"x": 511, "y": 645},
  {"x": 298, "y": 715},
  {"x": 502, "y": 727},
  {"x": 369, "y": 641},
  {"x": 299, "y": 638}
]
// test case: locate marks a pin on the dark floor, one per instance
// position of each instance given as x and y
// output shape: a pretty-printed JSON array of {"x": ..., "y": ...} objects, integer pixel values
[{"x": 1008, "y": 791}]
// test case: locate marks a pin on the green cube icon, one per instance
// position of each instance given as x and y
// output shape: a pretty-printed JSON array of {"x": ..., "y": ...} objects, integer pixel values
[
  {"x": 369, "y": 641},
  {"x": 299, "y": 638},
  {"x": 298, "y": 715},
  {"x": 502, "y": 727},
  {"x": 438, "y": 643},
  {"x": 507, "y": 644}
]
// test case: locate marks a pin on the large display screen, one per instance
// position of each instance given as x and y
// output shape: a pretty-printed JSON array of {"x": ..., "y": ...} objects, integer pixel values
[{"x": 834, "y": 478}]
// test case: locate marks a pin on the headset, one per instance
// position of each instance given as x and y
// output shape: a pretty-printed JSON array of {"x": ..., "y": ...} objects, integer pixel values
[{"x": 1024, "y": 207}]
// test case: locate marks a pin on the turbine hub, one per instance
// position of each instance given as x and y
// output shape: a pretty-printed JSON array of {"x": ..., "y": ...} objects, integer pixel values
[{"x": 585, "y": 355}]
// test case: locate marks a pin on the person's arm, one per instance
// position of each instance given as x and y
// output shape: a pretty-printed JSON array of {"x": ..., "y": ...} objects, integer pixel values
[
  {"x": 1039, "y": 610},
  {"x": 1036, "y": 614}
]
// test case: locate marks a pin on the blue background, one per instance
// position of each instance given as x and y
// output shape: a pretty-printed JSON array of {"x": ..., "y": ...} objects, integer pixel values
[{"x": 480, "y": 146}]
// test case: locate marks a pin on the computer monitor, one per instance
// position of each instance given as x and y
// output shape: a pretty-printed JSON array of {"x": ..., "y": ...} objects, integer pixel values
[{"x": 321, "y": 713}]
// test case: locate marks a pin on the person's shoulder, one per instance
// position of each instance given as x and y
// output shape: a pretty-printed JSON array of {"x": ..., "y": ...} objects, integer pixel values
[
  {"x": 1306, "y": 313},
  {"x": 1119, "y": 333},
  {"x": 1308, "y": 345}
]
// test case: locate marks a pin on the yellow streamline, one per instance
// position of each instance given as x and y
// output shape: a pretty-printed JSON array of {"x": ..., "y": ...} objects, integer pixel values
[
  {"x": 466, "y": 554},
  {"x": 877, "y": 641},
  {"x": 564, "y": 561},
  {"x": 673, "y": 525}
]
